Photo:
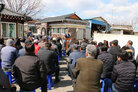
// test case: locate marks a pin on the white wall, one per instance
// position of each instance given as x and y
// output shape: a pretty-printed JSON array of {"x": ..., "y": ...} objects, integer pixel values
[{"x": 121, "y": 38}]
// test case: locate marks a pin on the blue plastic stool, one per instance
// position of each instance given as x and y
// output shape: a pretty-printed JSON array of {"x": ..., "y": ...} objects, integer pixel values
[
  {"x": 50, "y": 83},
  {"x": 102, "y": 89},
  {"x": 0, "y": 64},
  {"x": 60, "y": 54},
  {"x": 63, "y": 52},
  {"x": 59, "y": 57},
  {"x": 10, "y": 77},
  {"x": 26, "y": 91},
  {"x": 103, "y": 85}
]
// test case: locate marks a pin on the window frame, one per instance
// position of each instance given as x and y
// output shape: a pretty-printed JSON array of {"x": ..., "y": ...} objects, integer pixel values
[
  {"x": 8, "y": 29},
  {"x": 22, "y": 29}
]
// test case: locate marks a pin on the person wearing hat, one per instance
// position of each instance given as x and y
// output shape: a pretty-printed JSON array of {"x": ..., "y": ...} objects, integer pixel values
[
  {"x": 88, "y": 72},
  {"x": 8, "y": 55}
]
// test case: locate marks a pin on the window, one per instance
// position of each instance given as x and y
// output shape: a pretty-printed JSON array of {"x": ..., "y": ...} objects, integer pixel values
[
  {"x": 8, "y": 30},
  {"x": 63, "y": 30},
  {"x": 55, "y": 30},
  {"x": 20, "y": 30}
]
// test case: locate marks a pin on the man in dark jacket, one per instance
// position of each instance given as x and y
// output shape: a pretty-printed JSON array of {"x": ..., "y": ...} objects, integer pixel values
[
  {"x": 108, "y": 63},
  {"x": 114, "y": 50},
  {"x": 49, "y": 57},
  {"x": 30, "y": 71},
  {"x": 123, "y": 75}
]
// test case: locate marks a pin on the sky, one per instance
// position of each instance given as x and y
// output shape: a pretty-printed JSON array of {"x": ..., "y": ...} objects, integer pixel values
[{"x": 114, "y": 11}]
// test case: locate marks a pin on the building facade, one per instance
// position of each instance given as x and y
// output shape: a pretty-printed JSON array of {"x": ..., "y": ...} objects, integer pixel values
[
  {"x": 12, "y": 24},
  {"x": 122, "y": 29},
  {"x": 61, "y": 25}
]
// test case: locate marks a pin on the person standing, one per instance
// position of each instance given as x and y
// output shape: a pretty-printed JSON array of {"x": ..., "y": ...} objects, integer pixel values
[
  {"x": 30, "y": 71},
  {"x": 88, "y": 72}
]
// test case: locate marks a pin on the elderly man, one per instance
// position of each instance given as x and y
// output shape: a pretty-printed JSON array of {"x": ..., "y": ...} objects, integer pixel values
[
  {"x": 88, "y": 72},
  {"x": 8, "y": 55}
]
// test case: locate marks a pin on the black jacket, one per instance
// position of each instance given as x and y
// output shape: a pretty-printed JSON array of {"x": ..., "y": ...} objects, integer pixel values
[
  {"x": 59, "y": 47},
  {"x": 30, "y": 72},
  {"x": 108, "y": 62},
  {"x": 123, "y": 76},
  {"x": 114, "y": 51},
  {"x": 49, "y": 58}
]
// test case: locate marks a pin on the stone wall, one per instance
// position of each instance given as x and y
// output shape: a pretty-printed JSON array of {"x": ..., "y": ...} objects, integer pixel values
[{"x": 121, "y": 38}]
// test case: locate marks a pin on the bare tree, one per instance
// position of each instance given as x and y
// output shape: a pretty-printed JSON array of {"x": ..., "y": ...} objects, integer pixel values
[{"x": 26, "y": 7}]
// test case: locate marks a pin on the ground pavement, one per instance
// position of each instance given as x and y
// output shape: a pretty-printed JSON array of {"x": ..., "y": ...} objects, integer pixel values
[{"x": 65, "y": 85}]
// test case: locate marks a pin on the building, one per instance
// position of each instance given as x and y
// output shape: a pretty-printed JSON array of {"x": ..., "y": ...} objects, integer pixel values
[
  {"x": 34, "y": 26},
  {"x": 122, "y": 29},
  {"x": 56, "y": 26},
  {"x": 98, "y": 24},
  {"x": 12, "y": 24}
]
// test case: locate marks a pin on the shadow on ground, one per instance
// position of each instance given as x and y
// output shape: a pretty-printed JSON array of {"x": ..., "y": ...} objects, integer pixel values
[{"x": 63, "y": 83}]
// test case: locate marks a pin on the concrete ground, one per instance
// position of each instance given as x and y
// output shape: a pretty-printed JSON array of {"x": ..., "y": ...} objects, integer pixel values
[{"x": 65, "y": 84}]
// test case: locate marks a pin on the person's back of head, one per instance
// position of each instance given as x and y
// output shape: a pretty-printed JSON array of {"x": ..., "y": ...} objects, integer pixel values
[
  {"x": 129, "y": 51},
  {"x": 22, "y": 40},
  {"x": 17, "y": 42},
  {"x": 58, "y": 39},
  {"x": 130, "y": 42},
  {"x": 48, "y": 45},
  {"x": 40, "y": 36},
  {"x": 103, "y": 48},
  {"x": 36, "y": 41},
  {"x": 115, "y": 42},
  {"x": 123, "y": 55},
  {"x": 10, "y": 42},
  {"x": 30, "y": 48},
  {"x": 83, "y": 46},
  {"x": 100, "y": 44},
  {"x": 91, "y": 50},
  {"x": 75, "y": 47}
]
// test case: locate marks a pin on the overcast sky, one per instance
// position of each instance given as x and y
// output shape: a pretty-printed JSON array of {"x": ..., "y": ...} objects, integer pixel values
[{"x": 114, "y": 11}]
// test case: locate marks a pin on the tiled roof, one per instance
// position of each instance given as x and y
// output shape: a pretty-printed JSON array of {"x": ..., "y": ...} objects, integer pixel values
[
  {"x": 10, "y": 12},
  {"x": 57, "y": 18}
]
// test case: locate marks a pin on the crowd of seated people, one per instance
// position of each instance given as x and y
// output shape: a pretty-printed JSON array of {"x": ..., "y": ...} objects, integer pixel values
[{"x": 31, "y": 60}]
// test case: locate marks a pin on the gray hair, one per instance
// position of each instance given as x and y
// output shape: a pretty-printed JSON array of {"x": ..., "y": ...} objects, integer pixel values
[
  {"x": 9, "y": 42},
  {"x": 91, "y": 49}
]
